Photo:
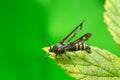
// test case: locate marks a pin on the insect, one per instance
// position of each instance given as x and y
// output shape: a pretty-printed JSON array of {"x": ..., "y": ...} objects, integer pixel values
[{"x": 78, "y": 44}]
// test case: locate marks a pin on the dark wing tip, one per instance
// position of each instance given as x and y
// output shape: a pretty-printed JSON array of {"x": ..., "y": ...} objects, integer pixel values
[
  {"x": 86, "y": 36},
  {"x": 82, "y": 23},
  {"x": 89, "y": 34}
]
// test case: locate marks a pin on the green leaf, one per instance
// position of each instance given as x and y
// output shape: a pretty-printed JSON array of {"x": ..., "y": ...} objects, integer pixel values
[
  {"x": 99, "y": 65},
  {"x": 112, "y": 18}
]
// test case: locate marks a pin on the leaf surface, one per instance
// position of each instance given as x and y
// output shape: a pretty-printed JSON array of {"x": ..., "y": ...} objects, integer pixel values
[
  {"x": 112, "y": 18},
  {"x": 99, "y": 65}
]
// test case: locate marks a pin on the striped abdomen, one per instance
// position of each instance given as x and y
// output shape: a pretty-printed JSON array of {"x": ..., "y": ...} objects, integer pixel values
[{"x": 79, "y": 46}]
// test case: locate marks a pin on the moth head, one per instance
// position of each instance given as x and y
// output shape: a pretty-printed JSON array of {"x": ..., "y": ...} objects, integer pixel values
[{"x": 50, "y": 49}]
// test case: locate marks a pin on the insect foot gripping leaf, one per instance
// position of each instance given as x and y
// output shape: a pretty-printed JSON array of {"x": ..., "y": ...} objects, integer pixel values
[
  {"x": 99, "y": 65},
  {"x": 112, "y": 18}
]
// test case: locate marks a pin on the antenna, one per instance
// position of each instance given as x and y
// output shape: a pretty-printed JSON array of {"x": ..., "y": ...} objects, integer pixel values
[{"x": 46, "y": 40}]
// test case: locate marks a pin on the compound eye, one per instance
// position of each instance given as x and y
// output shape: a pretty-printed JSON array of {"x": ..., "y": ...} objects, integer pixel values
[{"x": 50, "y": 50}]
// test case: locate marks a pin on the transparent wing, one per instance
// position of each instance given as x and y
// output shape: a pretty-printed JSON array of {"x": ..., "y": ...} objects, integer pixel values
[
  {"x": 72, "y": 34},
  {"x": 82, "y": 39}
]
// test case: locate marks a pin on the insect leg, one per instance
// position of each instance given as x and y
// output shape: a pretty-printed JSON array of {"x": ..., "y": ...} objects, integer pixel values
[{"x": 67, "y": 56}]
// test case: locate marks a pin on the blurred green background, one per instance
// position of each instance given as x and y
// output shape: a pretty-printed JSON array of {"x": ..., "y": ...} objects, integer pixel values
[{"x": 22, "y": 22}]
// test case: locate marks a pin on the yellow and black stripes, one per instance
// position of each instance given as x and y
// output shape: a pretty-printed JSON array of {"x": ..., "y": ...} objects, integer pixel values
[{"x": 79, "y": 46}]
